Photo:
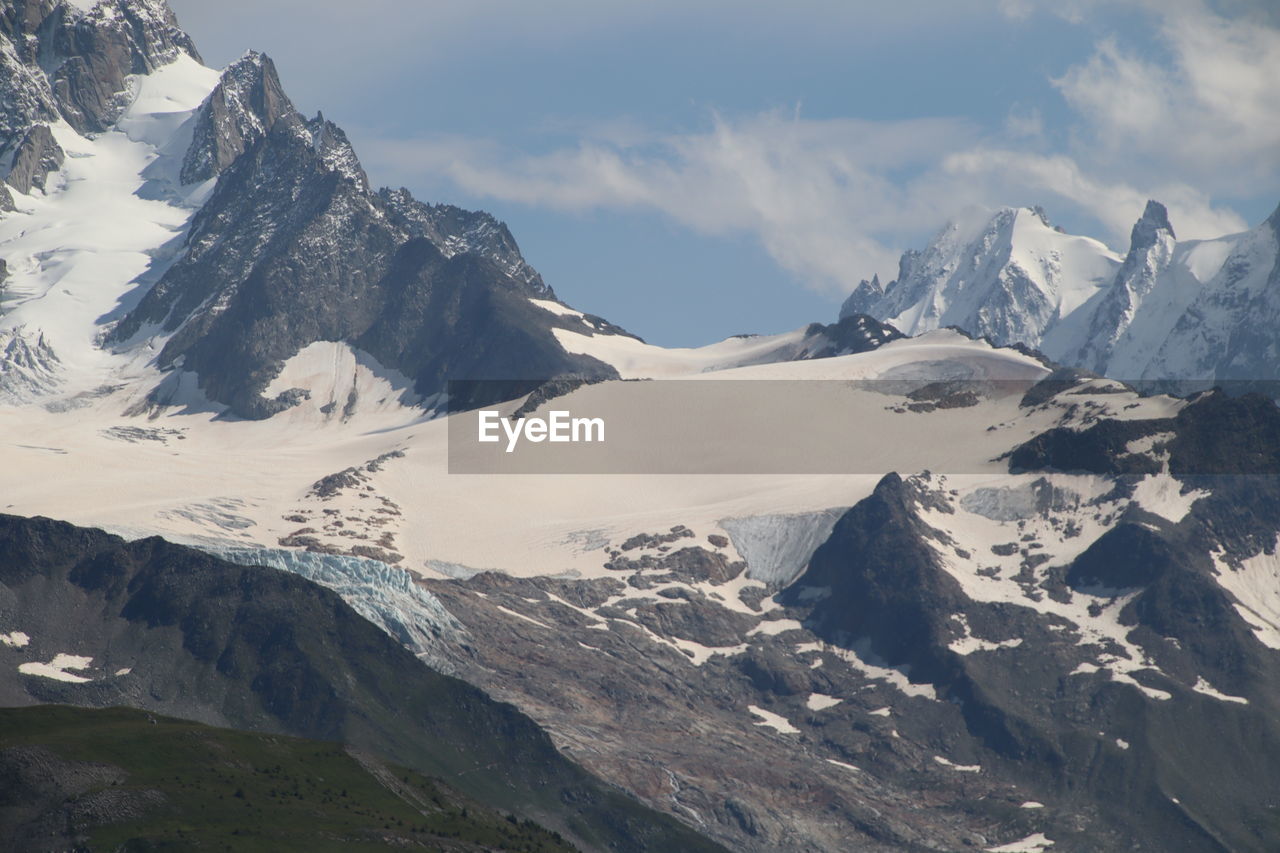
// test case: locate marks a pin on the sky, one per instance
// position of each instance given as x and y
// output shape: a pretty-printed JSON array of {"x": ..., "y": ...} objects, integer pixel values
[{"x": 691, "y": 170}]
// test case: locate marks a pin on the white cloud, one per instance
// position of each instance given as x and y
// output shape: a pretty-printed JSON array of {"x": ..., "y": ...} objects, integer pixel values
[
  {"x": 1019, "y": 10},
  {"x": 1209, "y": 114}
]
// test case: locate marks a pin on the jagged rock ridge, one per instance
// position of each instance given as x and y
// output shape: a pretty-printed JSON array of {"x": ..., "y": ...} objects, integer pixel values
[{"x": 294, "y": 247}]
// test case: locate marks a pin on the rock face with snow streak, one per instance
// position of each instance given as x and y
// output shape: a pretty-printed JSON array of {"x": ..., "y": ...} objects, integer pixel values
[
  {"x": 1172, "y": 310},
  {"x": 92, "y": 51},
  {"x": 1150, "y": 250},
  {"x": 246, "y": 103},
  {"x": 293, "y": 247},
  {"x": 1227, "y": 331},
  {"x": 26, "y": 96},
  {"x": 37, "y": 155}
]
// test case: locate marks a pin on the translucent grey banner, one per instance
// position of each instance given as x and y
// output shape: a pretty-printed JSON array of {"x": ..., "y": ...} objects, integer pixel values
[{"x": 719, "y": 426}]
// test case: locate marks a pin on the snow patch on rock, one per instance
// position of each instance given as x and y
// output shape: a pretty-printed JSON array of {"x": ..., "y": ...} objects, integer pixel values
[
  {"x": 820, "y": 701},
  {"x": 1036, "y": 843},
  {"x": 774, "y": 721},
  {"x": 59, "y": 669},
  {"x": 1255, "y": 585},
  {"x": 1204, "y": 687},
  {"x": 15, "y": 640}
]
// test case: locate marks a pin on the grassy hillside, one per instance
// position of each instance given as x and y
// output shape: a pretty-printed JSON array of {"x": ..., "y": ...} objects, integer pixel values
[{"x": 118, "y": 778}]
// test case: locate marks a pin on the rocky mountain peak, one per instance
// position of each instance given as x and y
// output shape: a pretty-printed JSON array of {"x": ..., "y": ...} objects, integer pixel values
[
  {"x": 1151, "y": 247},
  {"x": 1154, "y": 220},
  {"x": 1005, "y": 275},
  {"x": 863, "y": 298},
  {"x": 454, "y": 231},
  {"x": 335, "y": 150},
  {"x": 245, "y": 104},
  {"x": 292, "y": 247},
  {"x": 882, "y": 581}
]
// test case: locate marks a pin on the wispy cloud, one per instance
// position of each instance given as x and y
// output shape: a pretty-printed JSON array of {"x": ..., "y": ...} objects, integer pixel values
[
  {"x": 819, "y": 195},
  {"x": 1209, "y": 113},
  {"x": 1058, "y": 180}
]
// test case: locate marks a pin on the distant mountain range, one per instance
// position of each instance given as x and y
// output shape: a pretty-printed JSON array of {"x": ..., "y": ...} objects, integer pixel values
[{"x": 1168, "y": 310}]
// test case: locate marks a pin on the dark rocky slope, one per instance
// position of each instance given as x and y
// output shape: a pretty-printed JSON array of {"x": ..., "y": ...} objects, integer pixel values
[
  {"x": 956, "y": 666},
  {"x": 175, "y": 631},
  {"x": 1196, "y": 772}
]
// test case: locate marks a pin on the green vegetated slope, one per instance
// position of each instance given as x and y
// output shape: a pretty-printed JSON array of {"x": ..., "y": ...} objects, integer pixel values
[{"x": 118, "y": 778}]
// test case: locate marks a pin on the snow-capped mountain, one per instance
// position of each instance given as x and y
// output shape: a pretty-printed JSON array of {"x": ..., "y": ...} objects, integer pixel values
[
  {"x": 169, "y": 224},
  {"x": 1111, "y": 317},
  {"x": 1011, "y": 278},
  {"x": 1227, "y": 328},
  {"x": 1171, "y": 310}
]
